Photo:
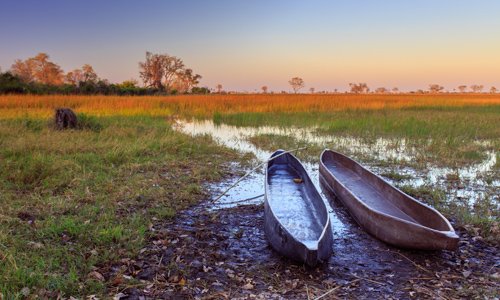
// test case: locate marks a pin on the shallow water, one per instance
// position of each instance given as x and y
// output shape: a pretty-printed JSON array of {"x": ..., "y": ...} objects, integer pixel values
[{"x": 471, "y": 188}]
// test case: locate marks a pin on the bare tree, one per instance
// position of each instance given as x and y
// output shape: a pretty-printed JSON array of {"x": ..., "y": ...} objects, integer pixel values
[
  {"x": 163, "y": 71},
  {"x": 174, "y": 68},
  {"x": 264, "y": 89},
  {"x": 493, "y": 90},
  {"x": 218, "y": 87},
  {"x": 462, "y": 88},
  {"x": 297, "y": 83},
  {"x": 476, "y": 88},
  {"x": 312, "y": 90},
  {"x": 359, "y": 88},
  {"x": 435, "y": 88},
  {"x": 152, "y": 70}
]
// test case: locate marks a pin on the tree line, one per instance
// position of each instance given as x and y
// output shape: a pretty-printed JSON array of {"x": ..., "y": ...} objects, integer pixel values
[
  {"x": 298, "y": 83},
  {"x": 162, "y": 74}
]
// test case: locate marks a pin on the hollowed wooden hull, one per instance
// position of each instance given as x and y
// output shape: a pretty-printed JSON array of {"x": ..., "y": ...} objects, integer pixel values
[
  {"x": 296, "y": 223},
  {"x": 383, "y": 210}
]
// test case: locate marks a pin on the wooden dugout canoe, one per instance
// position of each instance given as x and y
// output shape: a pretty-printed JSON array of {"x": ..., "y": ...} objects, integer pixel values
[
  {"x": 383, "y": 210},
  {"x": 296, "y": 220}
]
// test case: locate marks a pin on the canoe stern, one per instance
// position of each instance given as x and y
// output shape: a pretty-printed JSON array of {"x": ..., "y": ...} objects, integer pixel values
[{"x": 311, "y": 257}]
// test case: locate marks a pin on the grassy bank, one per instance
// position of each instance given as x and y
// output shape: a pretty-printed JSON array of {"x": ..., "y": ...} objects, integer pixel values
[{"x": 72, "y": 200}]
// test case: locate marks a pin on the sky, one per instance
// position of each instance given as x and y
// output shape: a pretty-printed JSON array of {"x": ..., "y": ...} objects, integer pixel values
[{"x": 244, "y": 45}]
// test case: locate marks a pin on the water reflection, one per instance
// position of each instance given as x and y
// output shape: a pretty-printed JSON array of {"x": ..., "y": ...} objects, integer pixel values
[{"x": 473, "y": 186}]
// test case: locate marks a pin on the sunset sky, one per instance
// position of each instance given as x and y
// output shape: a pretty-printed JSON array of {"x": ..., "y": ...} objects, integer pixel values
[{"x": 246, "y": 44}]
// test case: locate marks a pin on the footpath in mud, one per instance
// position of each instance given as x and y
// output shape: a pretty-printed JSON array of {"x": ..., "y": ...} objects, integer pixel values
[{"x": 224, "y": 254}]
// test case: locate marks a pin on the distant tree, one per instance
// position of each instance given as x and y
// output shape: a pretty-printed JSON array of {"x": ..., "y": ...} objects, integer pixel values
[
  {"x": 173, "y": 68},
  {"x": 435, "y": 88},
  {"x": 89, "y": 75},
  {"x": 200, "y": 90},
  {"x": 462, "y": 88},
  {"x": 395, "y": 90},
  {"x": 185, "y": 81},
  {"x": 381, "y": 90},
  {"x": 359, "y": 88},
  {"x": 312, "y": 90},
  {"x": 297, "y": 83},
  {"x": 264, "y": 89},
  {"x": 47, "y": 72},
  {"x": 476, "y": 88},
  {"x": 493, "y": 90},
  {"x": 218, "y": 87},
  {"x": 152, "y": 70},
  {"x": 10, "y": 83},
  {"x": 132, "y": 83},
  {"x": 167, "y": 72},
  {"x": 74, "y": 77},
  {"x": 24, "y": 70},
  {"x": 38, "y": 69}
]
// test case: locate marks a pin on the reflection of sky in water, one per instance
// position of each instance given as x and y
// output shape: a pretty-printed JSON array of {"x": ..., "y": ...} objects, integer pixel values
[{"x": 474, "y": 186}]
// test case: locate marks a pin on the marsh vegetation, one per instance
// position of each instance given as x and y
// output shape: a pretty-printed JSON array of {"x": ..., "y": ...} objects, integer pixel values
[{"x": 73, "y": 202}]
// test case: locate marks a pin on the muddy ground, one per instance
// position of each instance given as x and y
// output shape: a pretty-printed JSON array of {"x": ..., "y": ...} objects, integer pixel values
[{"x": 224, "y": 255}]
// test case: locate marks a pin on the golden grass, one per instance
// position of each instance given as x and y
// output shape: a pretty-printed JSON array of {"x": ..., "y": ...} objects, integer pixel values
[{"x": 12, "y": 106}]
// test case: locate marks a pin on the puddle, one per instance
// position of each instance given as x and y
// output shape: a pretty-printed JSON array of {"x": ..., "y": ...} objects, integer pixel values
[
  {"x": 236, "y": 138},
  {"x": 473, "y": 186}
]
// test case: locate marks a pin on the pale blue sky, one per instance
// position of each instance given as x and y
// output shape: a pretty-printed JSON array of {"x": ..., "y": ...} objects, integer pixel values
[{"x": 246, "y": 44}]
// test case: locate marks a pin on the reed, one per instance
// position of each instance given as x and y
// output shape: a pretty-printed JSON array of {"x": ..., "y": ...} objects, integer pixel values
[{"x": 206, "y": 106}]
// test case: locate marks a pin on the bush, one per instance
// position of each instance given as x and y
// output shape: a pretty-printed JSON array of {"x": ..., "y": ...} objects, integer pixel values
[
  {"x": 86, "y": 122},
  {"x": 200, "y": 90}
]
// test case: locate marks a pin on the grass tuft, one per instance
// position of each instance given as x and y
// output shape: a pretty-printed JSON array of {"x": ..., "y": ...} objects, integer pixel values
[{"x": 73, "y": 200}]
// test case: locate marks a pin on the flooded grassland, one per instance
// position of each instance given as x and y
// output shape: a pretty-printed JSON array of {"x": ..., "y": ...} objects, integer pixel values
[
  {"x": 124, "y": 207},
  {"x": 473, "y": 188},
  {"x": 219, "y": 250}
]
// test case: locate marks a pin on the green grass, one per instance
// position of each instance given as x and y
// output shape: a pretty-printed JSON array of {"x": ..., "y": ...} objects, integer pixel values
[
  {"x": 273, "y": 142},
  {"x": 71, "y": 200},
  {"x": 482, "y": 216},
  {"x": 447, "y": 136},
  {"x": 396, "y": 176}
]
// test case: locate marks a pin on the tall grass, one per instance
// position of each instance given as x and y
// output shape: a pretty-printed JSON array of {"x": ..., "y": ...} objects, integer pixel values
[
  {"x": 73, "y": 200},
  {"x": 205, "y": 106}
]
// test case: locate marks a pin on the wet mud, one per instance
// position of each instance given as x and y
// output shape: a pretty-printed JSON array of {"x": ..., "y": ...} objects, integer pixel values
[{"x": 224, "y": 254}]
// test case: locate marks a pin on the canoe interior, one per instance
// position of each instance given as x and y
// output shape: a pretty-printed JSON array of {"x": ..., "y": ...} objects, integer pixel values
[
  {"x": 380, "y": 195},
  {"x": 295, "y": 205}
]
